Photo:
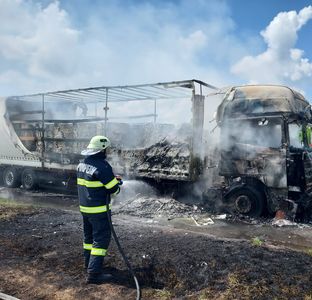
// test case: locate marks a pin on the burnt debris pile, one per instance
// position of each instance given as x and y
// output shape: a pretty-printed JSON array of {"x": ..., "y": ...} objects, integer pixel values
[
  {"x": 150, "y": 207},
  {"x": 164, "y": 159}
]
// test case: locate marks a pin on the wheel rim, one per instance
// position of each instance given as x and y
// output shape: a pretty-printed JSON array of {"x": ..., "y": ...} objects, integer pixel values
[
  {"x": 9, "y": 178},
  {"x": 28, "y": 180},
  {"x": 243, "y": 204}
]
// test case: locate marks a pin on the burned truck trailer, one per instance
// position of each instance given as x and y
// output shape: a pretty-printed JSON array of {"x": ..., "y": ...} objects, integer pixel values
[
  {"x": 154, "y": 128},
  {"x": 31, "y": 150},
  {"x": 265, "y": 149}
]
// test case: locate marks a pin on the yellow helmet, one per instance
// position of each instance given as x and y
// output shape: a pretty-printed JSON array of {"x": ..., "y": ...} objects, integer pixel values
[{"x": 97, "y": 144}]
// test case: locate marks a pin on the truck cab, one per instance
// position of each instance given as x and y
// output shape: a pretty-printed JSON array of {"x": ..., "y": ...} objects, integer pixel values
[{"x": 265, "y": 149}]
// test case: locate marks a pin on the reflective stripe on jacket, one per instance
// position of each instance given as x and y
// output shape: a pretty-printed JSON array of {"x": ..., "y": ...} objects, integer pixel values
[{"x": 96, "y": 181}]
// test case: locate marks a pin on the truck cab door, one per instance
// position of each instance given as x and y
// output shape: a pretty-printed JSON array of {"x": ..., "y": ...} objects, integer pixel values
[
  {"x": 307, "y": 156},
  {"x": 299, "y": 162}
]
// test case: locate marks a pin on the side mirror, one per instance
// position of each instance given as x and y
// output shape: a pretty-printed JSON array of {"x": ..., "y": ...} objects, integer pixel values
[{"x": 307, "y": 113}]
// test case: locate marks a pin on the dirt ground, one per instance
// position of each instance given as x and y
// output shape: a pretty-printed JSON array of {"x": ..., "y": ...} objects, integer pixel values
[{"x": 41, "y": 258}]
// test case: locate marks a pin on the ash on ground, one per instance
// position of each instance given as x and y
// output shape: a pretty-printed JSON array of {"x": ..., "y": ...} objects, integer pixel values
[{"x": 140, "y": 199}]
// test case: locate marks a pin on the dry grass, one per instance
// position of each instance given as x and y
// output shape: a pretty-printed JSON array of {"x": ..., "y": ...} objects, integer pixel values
[
  {"x": 157, "y": 294},
  {"x": 309, "y": 252},
  {"x": 256, "y": 241},
  {"x": 9, "y": 209}
]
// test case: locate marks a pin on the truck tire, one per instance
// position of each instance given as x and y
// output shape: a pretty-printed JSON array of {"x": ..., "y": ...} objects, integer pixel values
[
  {"x": 11, "y": 178},
  {"x": 247, "y": 200},
  {"x": 29, "y": 179}
]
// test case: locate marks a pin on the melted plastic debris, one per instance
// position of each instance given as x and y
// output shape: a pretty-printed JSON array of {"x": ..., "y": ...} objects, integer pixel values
[
  {"x": 203, "y": 221},
  {"x": 283, "y": 222}
]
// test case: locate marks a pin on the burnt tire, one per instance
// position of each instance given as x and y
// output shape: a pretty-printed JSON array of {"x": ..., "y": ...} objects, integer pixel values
[
  {"x": 11, "y": 178},
  {"x": 29, "y": 179},
  {"x": 247, "y": 200}
]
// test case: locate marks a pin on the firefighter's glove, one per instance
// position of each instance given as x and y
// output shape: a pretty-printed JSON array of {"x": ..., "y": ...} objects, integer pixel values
[{"x": 118, "y": 177}]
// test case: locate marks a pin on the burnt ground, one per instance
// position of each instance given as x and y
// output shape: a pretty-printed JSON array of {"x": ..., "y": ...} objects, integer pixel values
[{"x": 40, "y": 254}]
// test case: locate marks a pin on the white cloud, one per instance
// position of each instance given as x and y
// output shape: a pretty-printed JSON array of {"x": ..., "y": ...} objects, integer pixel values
[
  {"x": 281, "y": 62},
  {"x": 53, "y": 42},
  {"x": 47, "y": 49},
  {"x": 193, "y": 42},
  {"x": 36, "y": 44}
]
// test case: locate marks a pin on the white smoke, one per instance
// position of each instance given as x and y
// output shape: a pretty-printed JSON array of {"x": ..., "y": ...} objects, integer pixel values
[{"x": 132, "y": 190}]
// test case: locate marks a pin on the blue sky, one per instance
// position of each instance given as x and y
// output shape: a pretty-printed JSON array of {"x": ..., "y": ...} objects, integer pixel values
[
  {"x": 52, "y": 45},
  {"x": 261, "y": 13}
]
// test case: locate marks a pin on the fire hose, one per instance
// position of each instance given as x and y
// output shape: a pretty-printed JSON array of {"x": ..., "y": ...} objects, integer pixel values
[
  {"x": 7, "y": 297},
  {"x": 121, "y": 251}
]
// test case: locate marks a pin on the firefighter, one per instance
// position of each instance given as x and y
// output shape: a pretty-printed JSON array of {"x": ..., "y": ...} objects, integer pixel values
[
  {"x": 308, "y": 131},
  {"x": 309, "y": 135},
  {"x": 96, "y": 183}
]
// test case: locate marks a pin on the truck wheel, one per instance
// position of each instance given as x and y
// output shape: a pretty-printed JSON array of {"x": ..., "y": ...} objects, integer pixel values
[
  {"x": 11, "y": 178},
  {"x": 247, "y": 201},
  {"x": 29, "y": 179}
]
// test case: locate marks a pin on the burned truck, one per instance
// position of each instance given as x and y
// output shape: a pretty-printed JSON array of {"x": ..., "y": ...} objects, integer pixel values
[
  {"x": 265, "y": 149},
  {"x": 154, "y": 130},
  {"x": 248, "y": 145}
]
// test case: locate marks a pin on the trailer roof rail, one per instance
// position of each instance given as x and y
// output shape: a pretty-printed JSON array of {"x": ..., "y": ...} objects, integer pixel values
[{"x": 162, "y": 90}]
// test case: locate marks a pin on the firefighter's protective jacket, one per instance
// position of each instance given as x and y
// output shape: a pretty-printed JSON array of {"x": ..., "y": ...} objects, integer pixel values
[{"x": 96, "y": 182}]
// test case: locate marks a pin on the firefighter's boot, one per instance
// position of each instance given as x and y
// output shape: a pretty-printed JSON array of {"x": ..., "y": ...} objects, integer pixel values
[{"x": 99, "y": 278}]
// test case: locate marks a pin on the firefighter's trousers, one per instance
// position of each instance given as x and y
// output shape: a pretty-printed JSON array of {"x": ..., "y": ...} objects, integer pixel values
[{"x": 97, "y": 236}]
